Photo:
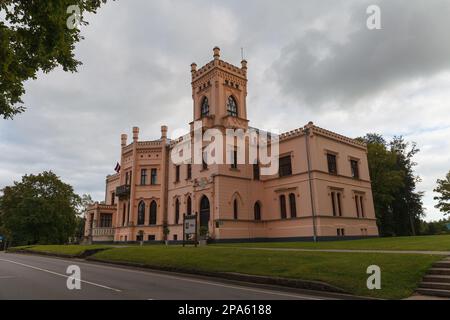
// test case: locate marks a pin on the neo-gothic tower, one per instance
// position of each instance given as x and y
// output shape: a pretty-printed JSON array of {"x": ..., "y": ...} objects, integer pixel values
[{"x": 219, "y": 91}]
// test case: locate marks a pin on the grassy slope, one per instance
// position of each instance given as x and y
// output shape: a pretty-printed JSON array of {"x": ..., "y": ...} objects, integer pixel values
[
  {"x": 400, "y": 273},
  {"x": 69, "y": 250},
  {"x": 425, "y": 243}
]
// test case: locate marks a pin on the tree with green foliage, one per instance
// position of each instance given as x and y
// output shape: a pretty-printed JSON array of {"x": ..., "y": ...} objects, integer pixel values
[
  {"x": 37, "y": 36},
  {"x": 386, "y": 181},
  {"x": 443, "y": 188},
  {"x": 398, "y": 206},
  {"x": 39, "y": 209}
]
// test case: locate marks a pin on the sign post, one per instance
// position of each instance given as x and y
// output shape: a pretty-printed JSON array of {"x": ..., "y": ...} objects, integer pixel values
[{"x": 189, "y": 227}]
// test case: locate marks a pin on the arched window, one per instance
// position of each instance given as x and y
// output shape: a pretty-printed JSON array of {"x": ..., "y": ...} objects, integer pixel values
[
  {"x": 189, "y": 206},
  {"x": 177, "y": 211},
  {"x": 153, "y": 212},
  {"x": 283, "y": 206},
  {"x": 204, "y": 107},
  {"x": 257, "y": 211},
  {"x": 292, "y": 205},
  {"x": 235, "y": 209},
  {"x": 232, "y": 107},
  {"x": 141, "y": 213}
]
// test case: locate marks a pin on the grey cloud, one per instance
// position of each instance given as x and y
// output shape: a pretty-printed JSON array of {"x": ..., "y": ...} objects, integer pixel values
[{"x": 413, "y": 43}]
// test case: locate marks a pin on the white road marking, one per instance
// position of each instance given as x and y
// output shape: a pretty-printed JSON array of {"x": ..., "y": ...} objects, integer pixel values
[
  {"x": 156, "y": 274},
  {"x": 60, "y": 274},
  {"x": 7, "y": 277}
]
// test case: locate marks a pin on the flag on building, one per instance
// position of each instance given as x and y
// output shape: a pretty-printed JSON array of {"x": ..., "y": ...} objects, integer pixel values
[{"x": 117, "y": 168}]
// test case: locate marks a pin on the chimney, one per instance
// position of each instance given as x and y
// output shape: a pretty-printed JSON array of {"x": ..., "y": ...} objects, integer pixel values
[
  {"x": 164, "y": 132},
  {"x": 123, "y": 138},
  {"x": 135, "y": 134}
]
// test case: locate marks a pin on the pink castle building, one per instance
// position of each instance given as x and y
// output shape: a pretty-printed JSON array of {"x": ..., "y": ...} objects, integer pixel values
[{"x": 322, "y": 188}]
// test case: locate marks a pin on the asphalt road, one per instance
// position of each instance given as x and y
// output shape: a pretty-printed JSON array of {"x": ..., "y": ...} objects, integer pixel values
[{"x": 35, "y": 277}]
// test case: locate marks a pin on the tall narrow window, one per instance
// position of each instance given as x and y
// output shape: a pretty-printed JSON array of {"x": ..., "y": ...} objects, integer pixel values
[
  {"x": 124, "y": 212},
  {"x": 292, "y": 205},
  {"x": 232, "y": 108},
  {"x": 283, "y": 206},
  {"x": 355, "y": 169},
  {"x": 141, "y": 213},
  {"x": 189, "y": 171},
  {"x": 153, "y": 212},
  {"x": 332, "y": 166},
  {"x": 143, "y": 177},
  {"x": 189, "y": 206},
  {"x": 234, "y": 159},
  {"x": 256, "y": 171},
  {"x": 204, "y": 160},
  {"x": 177, "y": 211},
  {"x": 357, "y": 205},
  {"x": 153, "y": 176},
  {"x": 113, "y": 198},
  {"x": 177, "y": 173},
  {"x": 235, "y": 209},
  {"x": 338, "y": 194},
  {"x": 126, "y": 178},
  {"x": 285, "y": 166},
  {"x": 205, "y": 107},
  {"x": 333, "y": 204},
  {"x": 361, "y": 201},
  {"x": 257, "y": 211}
]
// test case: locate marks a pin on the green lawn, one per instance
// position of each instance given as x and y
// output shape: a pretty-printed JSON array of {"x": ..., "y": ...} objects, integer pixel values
[
  {"x": 68, "y": 250},
  {"x": 424, "y": 243},
  {"x": 400, "y": 272}
]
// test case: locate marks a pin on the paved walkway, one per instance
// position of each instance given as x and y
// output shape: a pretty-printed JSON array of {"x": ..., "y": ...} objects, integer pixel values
[{"x": 443, "y": 253}]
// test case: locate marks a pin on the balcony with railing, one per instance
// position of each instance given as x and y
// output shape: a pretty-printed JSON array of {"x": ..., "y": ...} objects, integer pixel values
[
  {"x": 103, "y": 232},
  {"x": 123, "y": 191}
]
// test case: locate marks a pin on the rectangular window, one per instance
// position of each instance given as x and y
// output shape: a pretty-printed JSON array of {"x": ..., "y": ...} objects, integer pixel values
[
  {"x": 283, "y": 207},
  {"x": 105, "y": 220},
  {"x": 333, "y": 204},
  {"x": 151, "y": 237},
  {"x": 234, "y": 159},
  {"x": 189, "y": 171},
  {"x": 338, "y": 194},
  {"x": 177, "y": 173},
  {"x": 357, "y": 205},
  {"x": 332, "y": 166},
  {"x": 143, "y": 177},
  {"x": 153, "y": 177},
  {"x": 113, "y": 198},
  {"x": 285, "y": 166},
  {"x": 338, "y": 232},
  {"x": 256, "y": 171},
  {"x": 361, "y": 202},
  {"x": 355, "y": 169},
  {"x": 175, "y": 237}
]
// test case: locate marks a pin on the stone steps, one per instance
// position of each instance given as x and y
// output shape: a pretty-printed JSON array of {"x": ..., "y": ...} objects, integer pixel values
[
  {"x": 434, "y": 292},
  {"x": 437, "y": 280}
]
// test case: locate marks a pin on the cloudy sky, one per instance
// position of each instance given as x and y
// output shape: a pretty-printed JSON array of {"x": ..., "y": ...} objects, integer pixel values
[{"x": 308, "y": 60}]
